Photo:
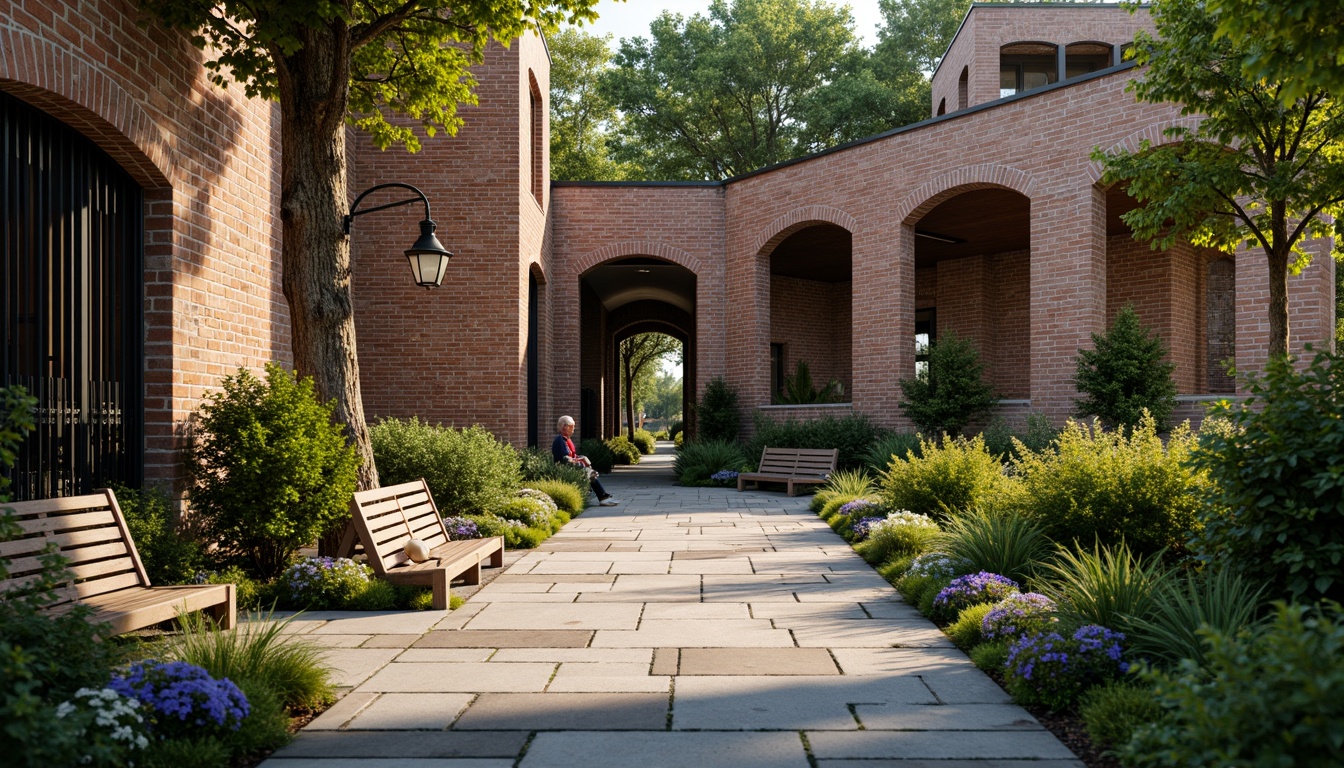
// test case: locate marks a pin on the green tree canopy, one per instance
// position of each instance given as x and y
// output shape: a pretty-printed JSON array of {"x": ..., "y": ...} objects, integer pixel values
[
  {"x": 667, "y": 397},
  {"x": 951, "y": 392},
  {"x": 329, "y": 64},
  {"x": 1298, "y": 43},
  {"x": 1258, "y": 169},
  {"x": 639, "y": 356},
  {"x": 581, "y": 115},
  {"x": 1125, "y": 374},
  {"x": 754, "y": 82}
]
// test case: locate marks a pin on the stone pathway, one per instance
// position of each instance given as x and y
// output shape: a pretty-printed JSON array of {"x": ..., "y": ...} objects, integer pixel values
[{"x": 685, "y": 628}]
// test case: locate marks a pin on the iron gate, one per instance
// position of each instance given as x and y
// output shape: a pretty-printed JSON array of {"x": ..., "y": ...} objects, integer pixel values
[{"x": 71, "y": 261}]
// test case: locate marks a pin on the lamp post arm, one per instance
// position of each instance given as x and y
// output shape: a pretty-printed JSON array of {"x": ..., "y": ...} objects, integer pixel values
[{"x": 354, "y": 209}]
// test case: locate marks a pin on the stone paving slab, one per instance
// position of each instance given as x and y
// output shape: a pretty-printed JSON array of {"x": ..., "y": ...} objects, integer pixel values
[
  {"x": 698, "y": 633},
  {"x": 460, "y": 677},
  {"x": 398, "y": 762},
  {"x": 506, "y": 638},
  {"x": 369, "y": 623},
  {"x": 873, "y": 633},
  {"x": 665, "y": 750},
  {"x": 352, "y": 666},
  {"x": 566, "y": 711},
  {"x": 786, "y": 703},
  {"x": 979, "y": 717},
  {"x": 588, "y": 616},
  {"x": 410, "y": 711},
  {"x": 656, "y": 611},
  {"x": 405, "y": 745},
  {"x": 607, "y": 677},
  {"x": 757, "y": 661},
  {"x": 898, "y": 763},
  {"x": 446, "y": 654},
  {"x": 939, "y": 745},
  {"x": 587, "y": 655},
  {"x": 576, "y": 578}
]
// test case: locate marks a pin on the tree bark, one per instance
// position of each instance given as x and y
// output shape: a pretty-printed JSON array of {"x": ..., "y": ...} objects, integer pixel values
[
  {"x": 1279, "y": 253},
  {"x": 314, "y": 94}
]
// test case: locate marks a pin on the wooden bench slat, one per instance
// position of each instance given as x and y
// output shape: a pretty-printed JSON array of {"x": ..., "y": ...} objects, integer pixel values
[
  {"x": 33, "y": 524},
  {"x": 792, "y": 466}
]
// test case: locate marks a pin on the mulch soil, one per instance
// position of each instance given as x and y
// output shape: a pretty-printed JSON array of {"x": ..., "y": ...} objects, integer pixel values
[{"x": 1068, "y": 727}]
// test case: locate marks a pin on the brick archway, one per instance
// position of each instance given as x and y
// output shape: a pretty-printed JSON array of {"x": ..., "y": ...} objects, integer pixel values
[
  {"x": 928, "y": 195},
  {"x": 779, "y": 229},
  {"x": 1154, "y": 133},
  {"x": 78, "y": 94},
  {"x": 630, "y": 248}
]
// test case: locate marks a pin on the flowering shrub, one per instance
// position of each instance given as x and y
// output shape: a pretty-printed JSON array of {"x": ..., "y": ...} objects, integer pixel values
[
  {"x": 1017, "y": 615},
  {"x": 461, "y": 528},
  {"x": 541, "y": 496},
  {"x": 938, "y": 565},
  {"x": 965, "y": 591},
  {"x": 109, "y": 725},
  {"x": 862, "y": 527},
  {"x": 1051, "y": 670},
  {"x": 724, "y": 477},
  {"x": 858, "y": 506},
  {"x": 323, "y": 583},
  {"x": 527, "y": 510},
  {"x": 902, "y": 533},
  {"x": 182, "y": 699}
]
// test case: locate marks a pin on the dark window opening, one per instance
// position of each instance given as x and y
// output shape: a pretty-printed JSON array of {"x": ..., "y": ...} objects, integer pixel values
[
  {"x": 776, "y": 369},
  {"x": 1027, "y": 66},
  {"x": 925, "y": 333},
  {"x": 1084, "y": 58}
]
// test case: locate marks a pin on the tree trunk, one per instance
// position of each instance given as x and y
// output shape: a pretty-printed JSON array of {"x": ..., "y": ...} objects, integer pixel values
[
  {"x": 1279, "y": 253},
  {"x": 314, "y": 93},
  {"x": 629, "y": 400}
]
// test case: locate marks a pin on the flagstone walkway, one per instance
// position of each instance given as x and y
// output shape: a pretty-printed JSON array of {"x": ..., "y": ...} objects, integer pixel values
[{"x": 685, "y": 628}]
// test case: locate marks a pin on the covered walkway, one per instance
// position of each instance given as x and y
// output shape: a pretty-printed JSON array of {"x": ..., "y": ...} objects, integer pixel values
[{"x": 686, "y": 628}]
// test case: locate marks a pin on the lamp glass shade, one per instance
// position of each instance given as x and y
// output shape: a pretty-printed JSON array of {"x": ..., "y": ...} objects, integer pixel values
[{"x": 428, "y": 257}]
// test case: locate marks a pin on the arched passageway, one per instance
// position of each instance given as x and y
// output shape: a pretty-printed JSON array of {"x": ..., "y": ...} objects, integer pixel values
[{"x": 811, "y": 306}]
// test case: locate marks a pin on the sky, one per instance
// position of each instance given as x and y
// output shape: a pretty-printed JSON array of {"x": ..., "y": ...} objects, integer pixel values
[{"x": 631, "y": 18}]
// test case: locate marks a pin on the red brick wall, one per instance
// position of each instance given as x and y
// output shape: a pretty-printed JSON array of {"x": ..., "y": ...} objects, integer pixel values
[
  {"x": 208, "y": 159},
  {"x": 812, "y": 320}
]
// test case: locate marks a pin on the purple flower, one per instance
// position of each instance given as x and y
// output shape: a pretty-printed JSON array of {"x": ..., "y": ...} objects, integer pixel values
[
  {"x": 723, "y": 476},
  {"x": 857, "y": 505},
  {"x": 1018, "y": 615},
  {"x": 460, "y": 528},
  {"x": 182, "y": 698},
  {"x": 864, "y": 526},
  {"x": 1053, "y": 670},
  {"x": 977, "y": 588}
]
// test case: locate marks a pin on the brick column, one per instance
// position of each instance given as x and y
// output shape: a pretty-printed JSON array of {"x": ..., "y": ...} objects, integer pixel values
[
  {"x": 1068, "y": 291},
  {"x": 883, "y": 320}
]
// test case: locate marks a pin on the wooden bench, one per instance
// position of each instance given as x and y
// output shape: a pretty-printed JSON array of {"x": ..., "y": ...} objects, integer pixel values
[
  {"x": 793, "y": 467},
  {"x": 386, "y": 518},
  {"x": 106, "y": 572}
]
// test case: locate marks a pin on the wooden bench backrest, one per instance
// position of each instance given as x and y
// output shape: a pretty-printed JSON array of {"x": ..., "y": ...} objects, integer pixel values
[
  {"x": 387, "y": 517},
  {"x": 89, "y": 531},
  {"x": 798, "y": 461}
]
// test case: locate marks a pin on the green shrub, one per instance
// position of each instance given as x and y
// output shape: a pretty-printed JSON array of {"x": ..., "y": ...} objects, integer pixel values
[
  {"x": 322, "y": 583},
  {"x": 674, "y": 430},
  {"x": 247, "y": 592},
  {"x": 599, "y": 453},
  {"x": 972, "y": 589},
  {"x": 1113, "y": 711},
  {"x": 1273, "y": 698},
  {"x": 1099, "y": 485},
  {"x": 1106, "y": 586},
  {"x": 853, "y": 483},
  {"x": 959, "y": 474},
  {"x": 716, "y": 414},
  {"x": 891, "y": 445},
  {"x": 567, "y": 496},
  {"x": 911, "y": 586},
  {"x": 799, "y": 390},
  {"x": 1223, "y": 600},
  {"x": 1275, "y": 508},
  {"x": 625, "y": 451},
  {"x": 696, "y": 461},
  {"x": 852, "y": 435},
  {"x": 902, "y": 533},
  {"x": 1125, "y": 374},
  {"x": 468, "y": 470},
  {"x": 1053, "y": 670},
  {"x": 951, "y": 392},
  {"x": 645, "y": 441},
  {"x": 16, "y": 421},
  {"x": 271, "y": 471},
  {"x": 996, "y": 541},
  {"x": 44, "y": 660},
  {"x": 167, "y": 550},
  {"x": 538, "y": 466},
  {"x": 967, "y": 630},
  {"x": 991, "y": 656},
  {"x": 525, "y": 538},
  {"x": 377, "y": 595},
  {"x": 895, "y": 568},
  {"x": 1006, "y": 444},
  {"x": 529, "y": 511},
  {"x": 259, "y": 652}
]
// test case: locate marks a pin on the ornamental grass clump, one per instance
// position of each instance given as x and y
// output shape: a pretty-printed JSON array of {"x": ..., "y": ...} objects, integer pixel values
[
  {"x": 1052, "y": 670},
  {"x": 696, "y": 461},
  {"x": 902, "y": 533},
  {"x": 1003, "y": 542},
  {"x": 568, "y": 497},
  {"x": 968, "y": 630},
  {"x": 183, "y": 701},
  {"x": 1026, "y": 613},
  {"x": 973, "y": 589},
  {"x": 853, "y": 483},
  {"x": 322, "y": 583},
  {"x": 1107, "y": 586}
]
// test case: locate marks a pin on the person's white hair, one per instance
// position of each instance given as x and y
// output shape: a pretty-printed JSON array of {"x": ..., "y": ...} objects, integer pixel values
[{"x": 564, "y": 420}]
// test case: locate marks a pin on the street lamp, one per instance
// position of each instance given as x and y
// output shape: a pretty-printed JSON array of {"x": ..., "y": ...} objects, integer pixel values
[{"x": 428, "y": 257}]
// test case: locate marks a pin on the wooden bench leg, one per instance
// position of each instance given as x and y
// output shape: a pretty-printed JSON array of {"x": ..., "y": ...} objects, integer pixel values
[
  {"x": 226, "y": 614},
  {"x": 497, "y": 557},
  {"x": 740, "y": 483},
  {"x": 472, "y": 576},
  {"x": 440, "y": 586},
  {"x": 792, "y": 490}
]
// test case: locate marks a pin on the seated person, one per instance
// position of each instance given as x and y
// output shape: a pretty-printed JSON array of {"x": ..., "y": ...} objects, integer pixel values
[{"x": 562, "y": 450}]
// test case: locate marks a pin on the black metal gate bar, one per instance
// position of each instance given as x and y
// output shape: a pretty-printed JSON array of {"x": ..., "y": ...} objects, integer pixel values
[{"x": 71, "y": 259}]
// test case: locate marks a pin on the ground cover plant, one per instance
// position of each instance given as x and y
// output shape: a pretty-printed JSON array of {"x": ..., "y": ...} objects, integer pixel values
[{"x": 852, "y": 435}]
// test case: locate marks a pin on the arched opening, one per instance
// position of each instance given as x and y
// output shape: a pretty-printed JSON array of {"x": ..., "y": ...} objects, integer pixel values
[
  {"x": 1185, "y": 293},
  {"x": 963, "y": 88},
  {"x": 1026, "y": 66},
  {"x": 942, "y": 106},
  {"x": 618, "y": 299},
  {"x": 973, "y": 278},
  {"x": 534, "y": 298},
  {"x": 71, "y": 288},
  {"x": 811, "y": 309},
  {"x": 1083, "y": 58},
  {"x": 648, "y": 352}
]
